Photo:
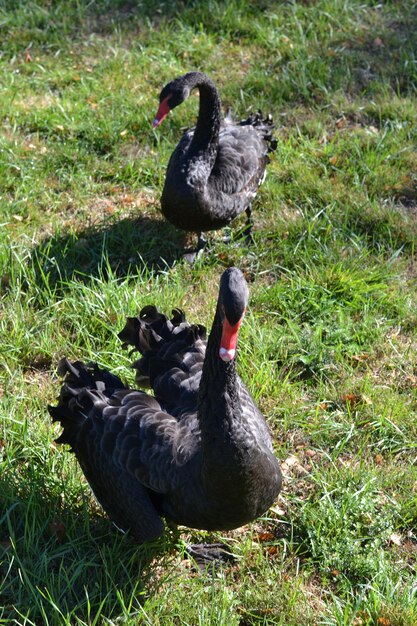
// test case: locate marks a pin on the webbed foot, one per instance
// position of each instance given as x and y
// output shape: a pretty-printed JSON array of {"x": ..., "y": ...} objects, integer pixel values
[{"x": 206, "y": 554}]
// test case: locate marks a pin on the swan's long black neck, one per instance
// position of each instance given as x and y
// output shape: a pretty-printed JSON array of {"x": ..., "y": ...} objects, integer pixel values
[
  {"x": 209, "y": 116},
  {"x": 219, "y": 404}
]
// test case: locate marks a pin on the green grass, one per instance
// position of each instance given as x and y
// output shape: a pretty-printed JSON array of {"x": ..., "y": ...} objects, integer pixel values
[{"x": 328, "y": 346}]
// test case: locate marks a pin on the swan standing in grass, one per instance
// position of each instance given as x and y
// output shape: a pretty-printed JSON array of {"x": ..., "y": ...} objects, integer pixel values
[
  {"x": 217, "y": 167},
  {"x": 199, "y": 452}
]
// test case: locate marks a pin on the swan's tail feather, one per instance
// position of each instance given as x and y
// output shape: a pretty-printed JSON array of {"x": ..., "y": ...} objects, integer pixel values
[
  {"x": 265, "y": 126},
  {"x": 172, "y": 352},
  {"x": 83, "y": 387},
  {"x": 158, "y": 338}
]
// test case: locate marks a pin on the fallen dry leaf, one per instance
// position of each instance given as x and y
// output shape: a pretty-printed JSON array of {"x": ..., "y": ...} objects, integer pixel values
[
  {"x": 395, "y": 539},
  {"x": 360, "y": 357},
  {"x": 126, "y": 199},
  {"x": 350, "y": 399},
  {"x": 278, "y": 510},
  {"x": 265, "y": 536},
  {"x": 325, "y": 406},
  {"x": 291, "y": 460}
]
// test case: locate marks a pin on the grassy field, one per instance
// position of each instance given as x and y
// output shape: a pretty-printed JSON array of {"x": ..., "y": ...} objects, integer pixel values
[{"x": 328, "y": 347}]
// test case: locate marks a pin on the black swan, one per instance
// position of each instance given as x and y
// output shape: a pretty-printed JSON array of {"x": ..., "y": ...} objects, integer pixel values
[
  {"x": 199, "y": 452},
  {"x": 216, "y": 169}
]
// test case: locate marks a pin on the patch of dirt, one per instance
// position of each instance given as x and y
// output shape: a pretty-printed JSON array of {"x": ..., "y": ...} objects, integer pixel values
[
  {"x": 37, "y": 101},
  {"x": 121, "y": 203},
  {"x": 407, "y": 201},
  {"x": 396, "y": 366},
  {"x": 39, "y": 363}
]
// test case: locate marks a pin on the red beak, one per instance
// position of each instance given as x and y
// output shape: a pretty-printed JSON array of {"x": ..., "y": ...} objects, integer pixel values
[
  {"x": 162, "y": 112},
  {"x": 228, "y": 341}
]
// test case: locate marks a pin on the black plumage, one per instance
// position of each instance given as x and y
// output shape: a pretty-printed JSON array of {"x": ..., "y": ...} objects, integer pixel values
[
  {"x": 199, "y": 453},
  {"x": 216, "y": 169}
]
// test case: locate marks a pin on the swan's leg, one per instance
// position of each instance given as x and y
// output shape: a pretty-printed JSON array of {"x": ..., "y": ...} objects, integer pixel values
[
  {"x": 246, "y": 231},
  {"x": 193, "y": 255},
  {"x": 248, "y": 225},
  {"x": 202, "y": 242}
]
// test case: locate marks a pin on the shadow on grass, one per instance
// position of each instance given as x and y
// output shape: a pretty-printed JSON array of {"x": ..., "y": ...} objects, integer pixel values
[
  {"x": 123, "y": 247},
  {"x": 61, "y": 563}
]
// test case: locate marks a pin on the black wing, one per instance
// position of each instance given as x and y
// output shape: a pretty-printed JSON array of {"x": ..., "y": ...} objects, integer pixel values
[{"x": 130, "y": 450}]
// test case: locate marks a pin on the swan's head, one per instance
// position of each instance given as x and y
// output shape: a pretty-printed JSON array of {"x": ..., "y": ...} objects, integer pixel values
[
  {"x": 233, "y": 299},
  {"x": 173, "y": 94}
]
